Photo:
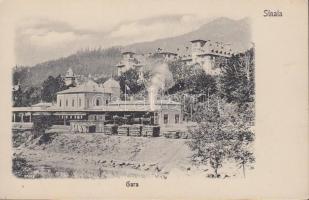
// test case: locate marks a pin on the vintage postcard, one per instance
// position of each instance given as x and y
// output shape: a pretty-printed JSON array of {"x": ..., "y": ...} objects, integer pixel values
[{"x": 154, "y": 99}]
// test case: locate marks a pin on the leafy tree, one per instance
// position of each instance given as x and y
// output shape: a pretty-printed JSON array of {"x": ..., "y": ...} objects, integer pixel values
[
  {"x": 17, "y": 97},
  {"x": 26, "y": 96},
  {"x": 203, "y": 84},
  {"x": 242, "y": 153},
  {"x": 40, "y": 124},
  {"x": 210, "y": 144},
  {"x": 237, "y": 82},
  {"x": 130, "y": 78},
  {"x": 224, "y": 133},
  {"x": 51, "y": 86},
  {"x": 207, "y": 110},
  {"x": 191, "y": 79}
]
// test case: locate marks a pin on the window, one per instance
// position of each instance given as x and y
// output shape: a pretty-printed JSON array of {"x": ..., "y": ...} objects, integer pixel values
[
  {"x": 156, "y": 118},
  {"x": 79, "y": 102},
  {"x": 106, "y": 101},
  {"x": 66, "y": 103},
  {"x": 165, "y": 118},
  {"x": 176, "y": 119},
  {"x": 60, "y": 103},
  {"x": 73, "y": 102},
  {"x": 98, "y": 102}
]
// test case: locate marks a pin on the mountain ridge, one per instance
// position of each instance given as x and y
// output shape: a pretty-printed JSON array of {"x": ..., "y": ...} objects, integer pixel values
[{"x": 221, "y": 29}]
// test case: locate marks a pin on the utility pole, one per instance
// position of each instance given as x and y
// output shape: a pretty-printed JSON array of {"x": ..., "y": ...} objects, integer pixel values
[
  {"x": 218, "y": 102},
  {"x": 125, "y": 97},
  {"x": 208, "y": 98},
  {"x": 191, "y": 111}
]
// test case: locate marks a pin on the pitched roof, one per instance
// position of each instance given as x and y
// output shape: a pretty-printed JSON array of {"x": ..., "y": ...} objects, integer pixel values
[
  {"x": 111, "y": 83},
  {"x": 88, "y": 87}
]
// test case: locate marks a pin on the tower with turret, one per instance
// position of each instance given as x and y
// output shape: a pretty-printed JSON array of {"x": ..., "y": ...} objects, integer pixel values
[{"x": 69, "y": 78}]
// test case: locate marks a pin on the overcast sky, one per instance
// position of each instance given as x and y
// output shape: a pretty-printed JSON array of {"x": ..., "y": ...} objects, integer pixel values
[{"x": 52, "y": 29}]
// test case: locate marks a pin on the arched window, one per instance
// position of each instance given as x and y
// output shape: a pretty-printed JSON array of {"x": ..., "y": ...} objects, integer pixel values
[
  {"x": 106, "y": 101},
  {"x": 97, "y": 102}
]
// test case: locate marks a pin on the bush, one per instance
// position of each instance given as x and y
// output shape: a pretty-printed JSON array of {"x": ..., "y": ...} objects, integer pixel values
[{"x": 21, "y": 168}]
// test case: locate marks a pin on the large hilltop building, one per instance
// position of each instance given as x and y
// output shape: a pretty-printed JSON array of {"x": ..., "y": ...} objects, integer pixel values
[
  {"x": 205, "y": 53},
  {"x": 130, "y": 61},
  {"x": 167, "y": 55},
  {"x": 202, "y": 52}
]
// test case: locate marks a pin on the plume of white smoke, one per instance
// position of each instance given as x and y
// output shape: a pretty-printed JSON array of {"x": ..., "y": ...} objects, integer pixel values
[{"x": 158, "y": 80}]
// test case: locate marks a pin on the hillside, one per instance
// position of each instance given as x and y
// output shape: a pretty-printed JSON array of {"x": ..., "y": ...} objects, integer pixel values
[
  {"x": 102, "y": 61},
  {"x": 84, "y": 62}
]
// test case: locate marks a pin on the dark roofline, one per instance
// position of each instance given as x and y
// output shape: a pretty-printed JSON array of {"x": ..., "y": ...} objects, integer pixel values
[
  {"x": 128, "y": 52},
  {"x": 198, "y": 40},
  {"x": 120, "y": 65},
  {"x": 63, "y": 92},
  {"x": 166, "y": 52},
  {"x": 214, "y": 54}
]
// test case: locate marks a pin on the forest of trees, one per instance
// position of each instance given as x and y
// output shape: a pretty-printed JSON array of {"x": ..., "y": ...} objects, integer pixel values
[
  {"x": 130, "y": 79},
  {"x": 83, "y": 62}
]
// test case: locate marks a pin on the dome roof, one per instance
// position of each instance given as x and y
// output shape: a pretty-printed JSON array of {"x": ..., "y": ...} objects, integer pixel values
[{"x": 111, "y": 83}]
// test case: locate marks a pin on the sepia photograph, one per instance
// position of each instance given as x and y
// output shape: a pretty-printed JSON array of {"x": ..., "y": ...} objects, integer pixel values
[
  {"x": 143, "y": 92},
  {"x": 182, "y": 99}
]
